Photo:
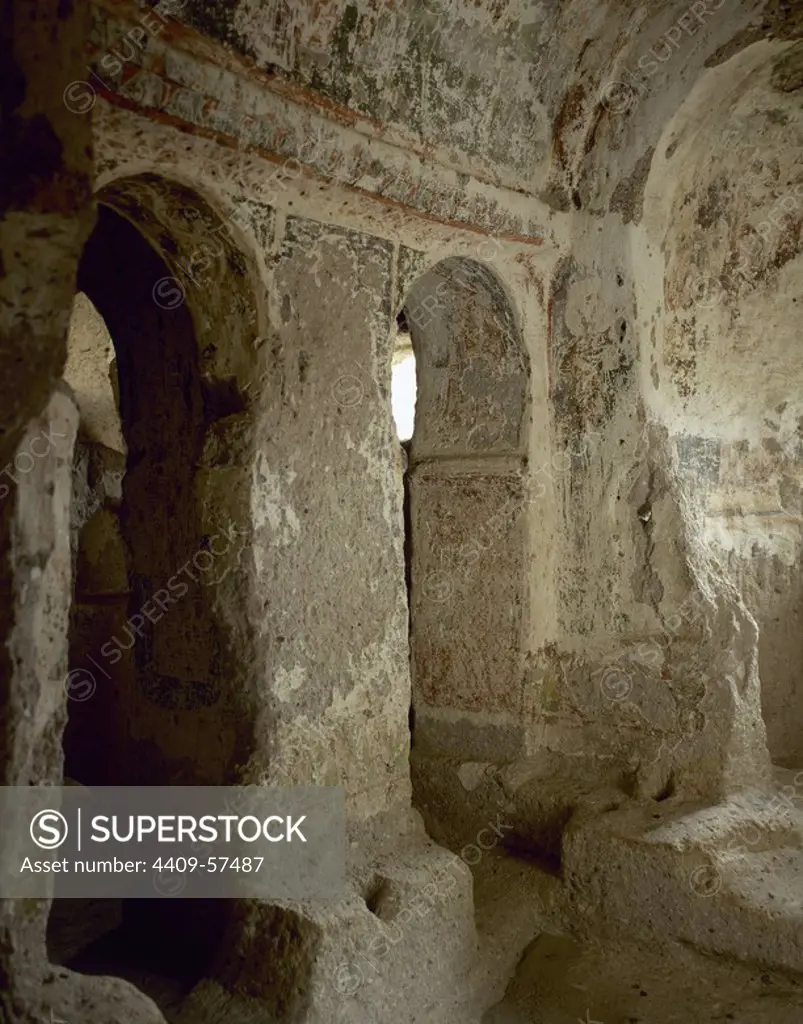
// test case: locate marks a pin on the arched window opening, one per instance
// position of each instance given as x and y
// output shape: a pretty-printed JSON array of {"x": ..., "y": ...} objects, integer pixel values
[{"x": 403, "y": 381}]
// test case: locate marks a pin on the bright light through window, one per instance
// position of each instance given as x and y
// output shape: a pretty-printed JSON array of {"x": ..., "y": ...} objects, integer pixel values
[{"x": 402, "y": 395}]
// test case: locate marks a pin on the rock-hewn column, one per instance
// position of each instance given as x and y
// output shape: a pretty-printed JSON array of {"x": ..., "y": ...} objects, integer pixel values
[{"x": 328, "y": 530}]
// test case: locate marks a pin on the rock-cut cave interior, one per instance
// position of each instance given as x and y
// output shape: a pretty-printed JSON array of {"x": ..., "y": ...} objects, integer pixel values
[{"x": 399, "y": 403}]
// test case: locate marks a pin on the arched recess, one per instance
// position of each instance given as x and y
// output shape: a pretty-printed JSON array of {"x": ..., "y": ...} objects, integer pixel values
[
  {"x": 170, "y": 688},
  {"x": 467, "y": 544},
  {"x": 177, "y": 297},
  {"x": 723, "y": 364}
]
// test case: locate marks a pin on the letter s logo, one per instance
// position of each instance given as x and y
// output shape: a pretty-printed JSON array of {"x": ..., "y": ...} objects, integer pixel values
[{"x": 168, "y": 293}]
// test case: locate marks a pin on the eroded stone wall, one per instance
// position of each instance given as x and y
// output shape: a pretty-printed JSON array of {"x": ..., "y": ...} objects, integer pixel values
[{"x": 723, "y": 369}]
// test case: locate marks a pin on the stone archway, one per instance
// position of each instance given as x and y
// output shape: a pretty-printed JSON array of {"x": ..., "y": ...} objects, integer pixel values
[
  {"x": 167, "y": 679},
  {"x": 183, "y": 327},
  {"x": 467, "y": 481}
]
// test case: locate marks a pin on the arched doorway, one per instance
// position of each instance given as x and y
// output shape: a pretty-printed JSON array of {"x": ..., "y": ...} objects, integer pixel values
[{"x": 160, "y": 690}]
